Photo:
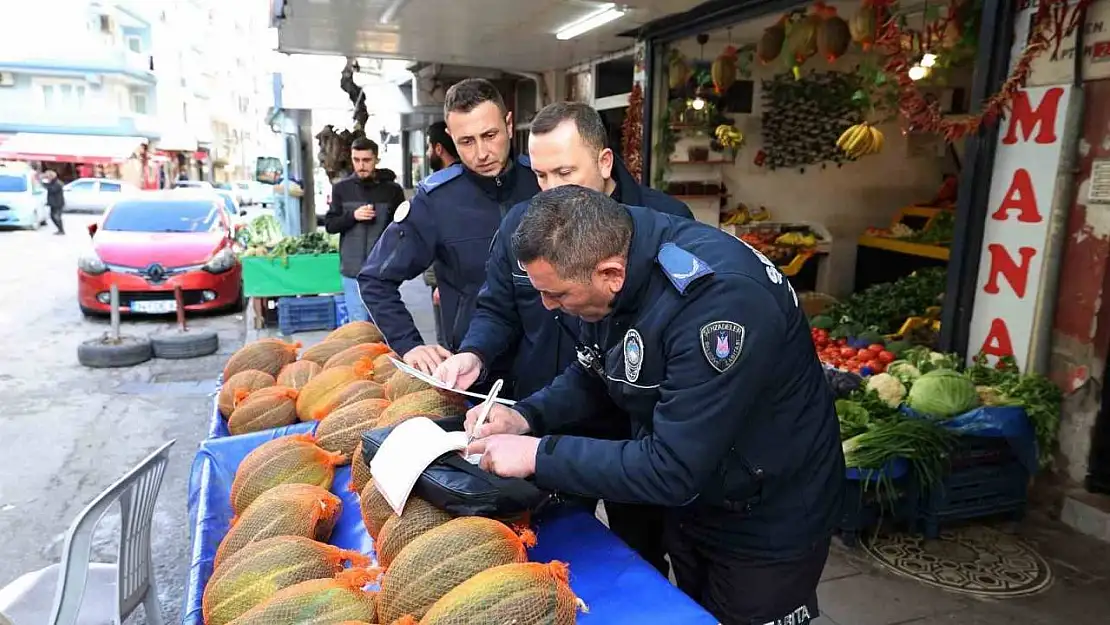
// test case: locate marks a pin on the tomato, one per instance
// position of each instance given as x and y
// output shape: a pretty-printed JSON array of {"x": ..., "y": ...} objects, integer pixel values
[
  {"x": 878, "y": 366},
  {"x": 876, "y": 347},
  {"x": 865, "y": 355},
  {"x": 823, "y": 334},
  {"x": 886, "y": 357},
  {"x": 848, "y": 352}
]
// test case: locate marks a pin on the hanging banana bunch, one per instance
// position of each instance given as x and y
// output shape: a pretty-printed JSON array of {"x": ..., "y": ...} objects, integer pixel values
[
  {"x": 729, "y": 136},
  {"x": 861, "y": 140}
]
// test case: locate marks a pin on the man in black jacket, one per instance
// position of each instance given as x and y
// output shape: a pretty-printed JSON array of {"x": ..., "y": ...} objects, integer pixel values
[
  {"x": 55, "y": 198},
  {"x": 362, "y": 205}
]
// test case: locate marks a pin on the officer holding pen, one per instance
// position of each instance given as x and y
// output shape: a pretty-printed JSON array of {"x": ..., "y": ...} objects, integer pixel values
[{"x": 699, "y": 338}]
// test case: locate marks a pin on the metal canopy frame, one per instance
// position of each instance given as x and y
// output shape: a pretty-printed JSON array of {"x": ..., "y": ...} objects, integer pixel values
[{"x": 992, "y": 66}]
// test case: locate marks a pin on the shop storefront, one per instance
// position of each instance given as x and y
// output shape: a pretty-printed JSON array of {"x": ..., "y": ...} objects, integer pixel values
[{"x": 911, "y": 168}]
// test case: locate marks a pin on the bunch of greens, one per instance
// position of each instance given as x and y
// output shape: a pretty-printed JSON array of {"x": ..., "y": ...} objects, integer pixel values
[
  {"x": 1005, "y": 385},
  {"x": 885, "y": 307}
]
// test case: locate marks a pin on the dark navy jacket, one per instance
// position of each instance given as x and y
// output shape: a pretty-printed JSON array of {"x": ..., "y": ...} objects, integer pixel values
[
  {"x": 732, "y": 420},
  {"x": 449, "y": 223},
  {"x": 510, "y": 316}
]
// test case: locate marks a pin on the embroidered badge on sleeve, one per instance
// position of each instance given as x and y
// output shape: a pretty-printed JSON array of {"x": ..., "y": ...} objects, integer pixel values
[{"x": 722, "y": 342}]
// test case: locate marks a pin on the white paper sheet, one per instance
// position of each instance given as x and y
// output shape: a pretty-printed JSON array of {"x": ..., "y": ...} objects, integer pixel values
[
  {"x": 406, "y": 452},
  {"x": 436, "y": 382}
]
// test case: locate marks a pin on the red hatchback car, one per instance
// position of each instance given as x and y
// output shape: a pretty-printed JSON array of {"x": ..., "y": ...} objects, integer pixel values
[{"x": 155, "y": 241}]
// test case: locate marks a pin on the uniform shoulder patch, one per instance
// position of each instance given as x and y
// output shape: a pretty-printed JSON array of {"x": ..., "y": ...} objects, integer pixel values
[
  {"x": 722, "y": 342},
  {"x": 681, "y": 267},
  {"x": 440, "y": 178},
  {"x": 402, "y": 212}
]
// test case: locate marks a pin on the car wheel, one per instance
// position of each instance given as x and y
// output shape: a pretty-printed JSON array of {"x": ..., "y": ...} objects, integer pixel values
[
  {"x": 105, "y": 353},
  {"x": 187, "y": 344}
]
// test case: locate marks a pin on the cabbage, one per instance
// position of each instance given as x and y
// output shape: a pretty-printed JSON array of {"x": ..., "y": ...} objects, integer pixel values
[{"x": 942, "y": 393}]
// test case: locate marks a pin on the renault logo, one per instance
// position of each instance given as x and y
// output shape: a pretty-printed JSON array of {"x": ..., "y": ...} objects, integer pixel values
[{"x": 155, "y": 272}]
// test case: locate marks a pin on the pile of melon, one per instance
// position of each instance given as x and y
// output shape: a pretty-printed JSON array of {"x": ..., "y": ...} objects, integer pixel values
[{"x": 275, "y": 567}]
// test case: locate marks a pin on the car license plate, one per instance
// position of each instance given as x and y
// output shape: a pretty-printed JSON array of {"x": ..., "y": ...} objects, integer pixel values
[{"x": 154, "y": 307}]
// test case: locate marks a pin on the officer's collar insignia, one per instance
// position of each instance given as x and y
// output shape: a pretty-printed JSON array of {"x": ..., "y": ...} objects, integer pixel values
[
  {"x": 682, "y": 267},
  {"x": 441, "y": 177},
  {"x": 401, "y": 212},
  {"x": 722, "y": 342},
  {"x": 633, "y": 355}
]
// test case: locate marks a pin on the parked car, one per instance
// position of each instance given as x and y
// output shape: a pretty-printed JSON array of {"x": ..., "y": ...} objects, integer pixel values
[
  {"x": 22, "y": 198},
  {"x": 154, "y": 242},
  {"x": 247, "y": 194},
  {"x": 193, "y": 184},
  {"x": 234, "y": 191},
  {"x": 94, "y": 195}
]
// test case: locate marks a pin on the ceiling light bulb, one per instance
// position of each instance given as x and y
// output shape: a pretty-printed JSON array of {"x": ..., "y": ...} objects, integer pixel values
[
  {"x": 608, "y": 13},
  {"x": 928, "y": 60},
  {"x": 698, "y": 104},
  {"x": 917, "y": 72}
]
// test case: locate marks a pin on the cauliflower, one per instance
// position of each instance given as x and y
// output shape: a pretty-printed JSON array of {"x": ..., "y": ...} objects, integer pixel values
[
  {"x": 904, "y": 371},
  {"x": 889, "y": 389}
]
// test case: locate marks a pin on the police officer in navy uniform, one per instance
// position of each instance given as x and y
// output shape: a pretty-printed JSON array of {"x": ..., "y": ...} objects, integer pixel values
[
  {"x": 567, "y": 144},
  {"x": 451, "y": 222},
  {"x": 700, "y": 339}
]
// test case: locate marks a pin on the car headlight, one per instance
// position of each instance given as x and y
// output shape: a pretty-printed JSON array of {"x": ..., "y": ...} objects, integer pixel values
[
  {"x": 221, "y": 262},
  {"x": 90, "y": 263}
]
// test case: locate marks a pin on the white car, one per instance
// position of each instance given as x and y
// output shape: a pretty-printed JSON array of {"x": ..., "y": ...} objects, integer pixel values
[
  {"x": 96, "y": 194},
  {"x": 22, "y": 198},
  {"x": 193, "y": 184}
]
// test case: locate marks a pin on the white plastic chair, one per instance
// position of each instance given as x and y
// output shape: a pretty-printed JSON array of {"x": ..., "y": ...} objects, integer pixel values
[{"x": 114, "y": 590}]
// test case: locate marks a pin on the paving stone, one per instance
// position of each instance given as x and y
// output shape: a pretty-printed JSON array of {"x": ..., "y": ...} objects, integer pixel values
[{"x": 879, "y": 599}]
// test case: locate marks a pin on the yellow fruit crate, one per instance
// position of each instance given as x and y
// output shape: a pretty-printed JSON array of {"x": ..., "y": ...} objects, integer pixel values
[{"x": 792, "y": 269}]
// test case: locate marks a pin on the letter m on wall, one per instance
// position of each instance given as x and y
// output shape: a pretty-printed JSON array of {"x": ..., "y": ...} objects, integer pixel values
[{"x": 1036, "y": 121}]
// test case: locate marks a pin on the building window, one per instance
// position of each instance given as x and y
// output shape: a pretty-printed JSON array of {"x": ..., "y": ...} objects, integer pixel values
[
  {"x": 56, "y": 95},
  {"x": 138, "y": 103},
  {"x": 135, "y": 44}
]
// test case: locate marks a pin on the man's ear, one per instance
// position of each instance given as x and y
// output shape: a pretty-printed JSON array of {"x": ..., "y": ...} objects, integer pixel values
[
  {"x": 612, "y": 273},
  {"x": 605, "y": 163},
  {"x": 509, "y": 123}
]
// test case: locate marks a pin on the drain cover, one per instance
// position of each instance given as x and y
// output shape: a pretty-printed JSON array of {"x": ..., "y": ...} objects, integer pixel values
[{"x": 973, "y": 560}]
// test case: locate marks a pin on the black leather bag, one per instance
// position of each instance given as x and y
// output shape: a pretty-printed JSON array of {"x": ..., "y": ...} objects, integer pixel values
[{"x": 463, "y": 489}]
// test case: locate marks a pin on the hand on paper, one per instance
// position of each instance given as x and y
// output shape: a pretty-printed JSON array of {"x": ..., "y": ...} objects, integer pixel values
[
  {"x": 426, "y": 357},
  {"x": 507, "y": 455},
  {"x": 501, "y": 420},
  {"x": 460, "y": 371}
]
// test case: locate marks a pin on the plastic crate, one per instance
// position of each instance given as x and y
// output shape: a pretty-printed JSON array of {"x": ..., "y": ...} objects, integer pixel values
[
  {"x": 974, "y": 492},
  {"x": 342, "y": 315},
  {"x": 862, "y": 511},
  {"x": 301, "y": 314}
]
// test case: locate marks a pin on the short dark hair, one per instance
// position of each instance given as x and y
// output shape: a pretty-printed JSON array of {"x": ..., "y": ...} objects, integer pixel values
[
  {"x": 467, "y": 94},
  {"x": 585, "y": 118},
  {"x": 437, "y": 134},
  {"x": 573, "y": 228},
  {"x": 362, "y": 144}
]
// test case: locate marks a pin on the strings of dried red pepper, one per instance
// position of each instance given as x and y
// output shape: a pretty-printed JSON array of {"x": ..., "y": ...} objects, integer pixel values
[{"x": 921, "y": 115}]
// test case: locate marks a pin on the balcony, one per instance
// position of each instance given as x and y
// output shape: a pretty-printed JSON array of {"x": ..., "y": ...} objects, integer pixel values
[{"x": 33, "y": 119}]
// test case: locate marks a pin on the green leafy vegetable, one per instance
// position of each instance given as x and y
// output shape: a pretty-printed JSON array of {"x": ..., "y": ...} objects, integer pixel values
[
  {"x": 942, "y": 393},
  {"x": 1039, "y": 396}
]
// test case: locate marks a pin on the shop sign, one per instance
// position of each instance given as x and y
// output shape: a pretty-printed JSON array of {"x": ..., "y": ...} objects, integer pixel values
[
  {"x": 1023, "y": 185},
  {"x": 1057, "y": 64}
]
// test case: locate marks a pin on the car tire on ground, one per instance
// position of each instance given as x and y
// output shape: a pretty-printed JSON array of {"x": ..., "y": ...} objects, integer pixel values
[
  {"x": 104, "y": 353},
  {"x": 187, "y": 344}
]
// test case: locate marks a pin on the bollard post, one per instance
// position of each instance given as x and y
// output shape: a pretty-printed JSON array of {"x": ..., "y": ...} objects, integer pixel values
[
  {"x": 179, "y": 297},
  {"x": 114, "y": 306}
]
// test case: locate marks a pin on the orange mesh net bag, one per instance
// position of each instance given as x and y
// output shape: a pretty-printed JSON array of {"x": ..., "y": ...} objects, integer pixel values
[
  {"x": 384, "y": 367},
  {"x": 261, "y": 569},
  {"x": 286, "y": 510},
  {"x": 432, "y": 403},
  {"x": 297, "y": 374},
  {"x": 321, "y": 352},
  {"x": 358, "y": 391},
  {"x": 270, "y": 407},
  {"x": 266, "y": 355},
  {"x": 523, "y": 594},
  {"x": 319, "y": 602},
  {"x": 294, "y": 459},
  {"x": 417, "y": 517},
  {"x": 360, "y": 472},
  {"x": 355, "y": 353},
  {"x": 358, "y": 331},
  {"x": 375, "y": 509},
  {"x": 320, "y": 396},
  {"x": 444, "y": 557},
  {"x": 400, "y": 385},
  {"x": 248, "y": 381},
  {"x": 341, "y": 431}
]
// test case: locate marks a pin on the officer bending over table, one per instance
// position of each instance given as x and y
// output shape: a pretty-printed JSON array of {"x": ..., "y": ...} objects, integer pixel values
[
  {"x": 450, "y": 222},
  {"x": 700, "y": 339}
]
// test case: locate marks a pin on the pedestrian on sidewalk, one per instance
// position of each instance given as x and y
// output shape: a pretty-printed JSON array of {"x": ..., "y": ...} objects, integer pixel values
[
  {"x": 362, "y": 205},
  {"x": 441, "y": 154},
  {"x": 55, "y": 198}
]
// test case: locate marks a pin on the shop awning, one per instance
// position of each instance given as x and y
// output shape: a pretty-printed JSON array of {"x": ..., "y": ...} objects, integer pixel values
[
  {"x": 176, "y": 141},
  {"x": 32, "y": 146}
]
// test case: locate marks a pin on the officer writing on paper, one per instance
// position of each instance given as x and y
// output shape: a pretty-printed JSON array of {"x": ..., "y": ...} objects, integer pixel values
[
  {"x": 450, "y": 224},
  {"x": 701, "y": 340}
]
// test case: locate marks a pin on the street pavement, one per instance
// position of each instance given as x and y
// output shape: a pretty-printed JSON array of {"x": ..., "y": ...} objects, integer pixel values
[{"x": 67, "y": 432}]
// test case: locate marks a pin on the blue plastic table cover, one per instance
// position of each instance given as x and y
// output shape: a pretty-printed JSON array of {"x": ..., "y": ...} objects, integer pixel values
[
  {"x": 1009, "y": 422},
  {"x": 614, "y": 582}
]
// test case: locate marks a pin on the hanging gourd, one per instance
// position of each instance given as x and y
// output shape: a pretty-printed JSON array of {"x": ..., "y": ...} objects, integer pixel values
[
  {"x": 801, "y": 40},
  {"x": 723, "y": 70},
  {"x": 952, "y": 34},
  {"x": 677, "y": 70},
  {"x": 770, "y": 44},
  {"x": 833, "y": 36},
  {"x": 864, "y": 26}
]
